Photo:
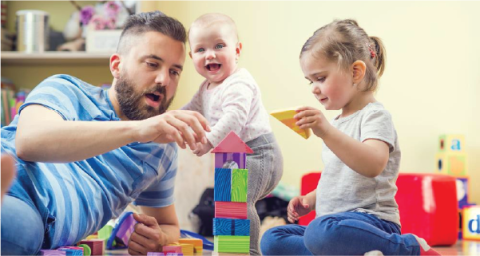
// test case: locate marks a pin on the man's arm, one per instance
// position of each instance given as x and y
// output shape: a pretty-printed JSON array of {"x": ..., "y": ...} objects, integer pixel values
[
  {"x": 44, "y": 136},
  {"x": 156, "y": 227}
]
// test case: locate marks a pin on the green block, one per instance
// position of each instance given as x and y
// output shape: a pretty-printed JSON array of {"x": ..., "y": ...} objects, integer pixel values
[
  {"x": 231, "y": 244},
  {"x": 239, "y": 185},
  {"x": 86, "y": 249}
]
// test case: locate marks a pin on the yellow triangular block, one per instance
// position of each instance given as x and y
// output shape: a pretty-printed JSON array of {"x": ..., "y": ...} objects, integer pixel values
[{"x": 286, "y": 117}]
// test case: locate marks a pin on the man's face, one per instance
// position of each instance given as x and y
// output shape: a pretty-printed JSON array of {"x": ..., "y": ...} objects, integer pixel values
[{"x": 149, "y": 75}]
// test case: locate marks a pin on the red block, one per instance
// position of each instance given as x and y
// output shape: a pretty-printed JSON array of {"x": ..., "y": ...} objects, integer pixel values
[
  {"x": 427, "y": 204},
  {"x": 230, "y": 210}
]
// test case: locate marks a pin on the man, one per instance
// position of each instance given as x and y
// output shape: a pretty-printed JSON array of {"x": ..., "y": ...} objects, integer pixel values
[{"x": 83, "y": 154}]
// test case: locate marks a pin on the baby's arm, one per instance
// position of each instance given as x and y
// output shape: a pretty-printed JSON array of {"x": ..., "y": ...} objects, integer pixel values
[{"x": 236, "y": 104}]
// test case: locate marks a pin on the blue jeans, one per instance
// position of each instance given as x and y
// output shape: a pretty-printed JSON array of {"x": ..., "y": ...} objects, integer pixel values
[
  {"x": 22, "y": 227},
  {"x": 347, "y": 233}
]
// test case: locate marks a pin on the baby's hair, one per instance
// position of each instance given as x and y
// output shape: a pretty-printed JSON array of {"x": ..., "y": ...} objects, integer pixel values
[
  {"x": 344, "y": 42},
  {"x": 213, "y": 18}
]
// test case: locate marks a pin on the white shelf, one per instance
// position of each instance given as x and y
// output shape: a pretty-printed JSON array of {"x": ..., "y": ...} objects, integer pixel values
[{"x": 51, "y": 58}]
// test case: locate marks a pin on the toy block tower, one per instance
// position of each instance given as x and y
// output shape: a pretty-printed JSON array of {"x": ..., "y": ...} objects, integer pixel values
[
  {"x": 451, "y": 157},
  {"x": 231, "y": 228}
]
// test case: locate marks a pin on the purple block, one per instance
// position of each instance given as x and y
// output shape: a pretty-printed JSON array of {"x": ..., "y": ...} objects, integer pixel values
[
  {"x": 53, "y": 253},
  {"x": 155, "y": 254},
  {"x": 230, "y": 160}
]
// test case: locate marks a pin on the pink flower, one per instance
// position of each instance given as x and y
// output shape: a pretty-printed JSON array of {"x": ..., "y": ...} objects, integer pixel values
[
  {"x": 98, "y": 22},
  {"x": 112, "y": 9},
  {"x": 86, "y": 14}
]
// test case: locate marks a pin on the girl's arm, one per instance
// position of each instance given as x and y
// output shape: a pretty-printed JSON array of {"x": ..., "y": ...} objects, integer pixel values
[{"x": 368, "y": 158}]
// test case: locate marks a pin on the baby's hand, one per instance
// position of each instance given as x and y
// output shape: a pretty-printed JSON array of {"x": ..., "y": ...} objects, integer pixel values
[
  {"x": 202, "y": 149},
  {"x": 309, "y": 117},
  {"x": 297, "y": 207}
]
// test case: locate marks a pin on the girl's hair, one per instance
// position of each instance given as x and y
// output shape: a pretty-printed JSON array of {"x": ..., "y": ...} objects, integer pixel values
[{"x": 344, "y": 42}]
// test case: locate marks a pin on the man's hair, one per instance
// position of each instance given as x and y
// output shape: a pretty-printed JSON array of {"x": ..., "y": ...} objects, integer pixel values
[{"x": 150, "y": 21}]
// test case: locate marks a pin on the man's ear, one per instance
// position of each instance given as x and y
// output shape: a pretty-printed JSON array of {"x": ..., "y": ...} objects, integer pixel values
[
  {"x": 115, "y": 65},
  {"x": 358, "y": 71}
]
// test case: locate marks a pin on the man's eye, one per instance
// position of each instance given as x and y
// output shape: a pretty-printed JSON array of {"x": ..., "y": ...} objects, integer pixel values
[
  {"x": 219, "y": 46},
  {"x": 174, "y": 72},
  {"x": 150, "y": 64}
]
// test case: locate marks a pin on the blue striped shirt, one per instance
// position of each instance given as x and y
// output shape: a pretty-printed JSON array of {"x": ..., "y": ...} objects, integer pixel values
[{"x": 82, "y": 196}]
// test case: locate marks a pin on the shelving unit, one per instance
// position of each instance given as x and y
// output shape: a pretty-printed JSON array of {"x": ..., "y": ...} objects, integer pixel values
[{"x": 54, "y": 58}]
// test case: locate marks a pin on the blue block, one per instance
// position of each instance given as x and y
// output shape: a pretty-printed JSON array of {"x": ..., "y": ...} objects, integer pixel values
[
  {"x": 223, "y": 185},
  {"x": 241, "y": 227},
  {"x": 222, "y": 227}
]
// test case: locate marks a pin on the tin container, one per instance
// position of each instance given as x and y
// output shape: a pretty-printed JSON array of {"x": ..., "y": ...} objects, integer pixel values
[{"x": 32, "y": 31}]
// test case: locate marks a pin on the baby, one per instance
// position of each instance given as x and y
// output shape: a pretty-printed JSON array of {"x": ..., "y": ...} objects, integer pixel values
[{"x": 230, "y": 99}]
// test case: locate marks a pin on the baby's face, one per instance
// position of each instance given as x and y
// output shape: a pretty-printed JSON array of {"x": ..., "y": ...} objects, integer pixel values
[{"x": 214, "y": 50}]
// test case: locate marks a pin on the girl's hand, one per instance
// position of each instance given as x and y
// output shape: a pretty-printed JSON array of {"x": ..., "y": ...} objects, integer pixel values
[
  {"x": 298, "y": 207},
  {"x": 309, "y": 117}
]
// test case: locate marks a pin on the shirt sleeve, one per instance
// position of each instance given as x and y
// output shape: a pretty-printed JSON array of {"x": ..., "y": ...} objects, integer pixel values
[
  {"x": 236, "y": 105},
  {"x": 57, "y": 94},
  {"x": 378, "y": 125},
  {"x": 161, "y": 192}
]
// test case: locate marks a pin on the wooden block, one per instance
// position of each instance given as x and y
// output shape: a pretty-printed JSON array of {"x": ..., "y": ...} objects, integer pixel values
[
  {"x": 222, "y": 226},
  {"x": 187, "y": 249},
  {"x": 53, "y": 253},
  {"x": 232, "y": 244},
  {"x": 197, "y": 244},
  {"x": 230, "y": 160},
  {"x": 241, "y": 227},
  {"x": 454, "y": 164},
  {"x": 97, "y": 246},
  {"x": 451, "y": 143},
  {"x": 471, "y": 223},
  {"x": 286, "y": 117},
  {"x": 239, "y": 185},
  {"x": 231, "y": 210},
  {"x": 229, "y": 254},
  {"x": 223, "y": 184},
  {"x": 172, "y": 248}
]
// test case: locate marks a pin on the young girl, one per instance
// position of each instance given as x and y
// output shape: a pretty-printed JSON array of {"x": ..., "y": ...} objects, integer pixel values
[
  {"x": 230, "y": 99},
  {"x": 354, "y": 201}
]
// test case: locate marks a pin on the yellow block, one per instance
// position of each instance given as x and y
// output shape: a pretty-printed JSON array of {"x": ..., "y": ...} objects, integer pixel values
[
  {"x": 454, "y": 164},
  {"x": 196, "y": 243},
  {"x": 471, "y": 223},
  {"x": 451, "y": 143},
  {"x": 286, "y": 117},
  {"x": 187, "y": 249}
]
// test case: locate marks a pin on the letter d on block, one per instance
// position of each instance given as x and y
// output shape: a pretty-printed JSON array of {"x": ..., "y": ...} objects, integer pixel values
[{"x": 471, "y": 225}]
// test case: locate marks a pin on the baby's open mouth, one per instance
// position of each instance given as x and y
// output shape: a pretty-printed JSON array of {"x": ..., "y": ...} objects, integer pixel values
[{"x": 213, "y": 66}]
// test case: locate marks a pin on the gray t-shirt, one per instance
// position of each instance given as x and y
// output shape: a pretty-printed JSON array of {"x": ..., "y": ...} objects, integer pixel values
[{"x": 341, "y": 189}]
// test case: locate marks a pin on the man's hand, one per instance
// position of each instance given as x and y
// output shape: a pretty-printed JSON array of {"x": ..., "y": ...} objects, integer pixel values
[
  {"x": 297, "y": 207},
  {"x": 309, "y": 117},
  {"x": 181, "y": 126},
  {"x": 202, "y": 149},
  {"x": 147, "y": 236}
]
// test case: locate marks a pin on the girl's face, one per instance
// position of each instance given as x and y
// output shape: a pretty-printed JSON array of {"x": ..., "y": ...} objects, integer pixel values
[{"x": 332, "y": 86}]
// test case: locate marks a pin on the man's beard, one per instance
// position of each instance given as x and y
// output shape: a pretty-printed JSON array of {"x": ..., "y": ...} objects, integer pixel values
[{"x": 132, "y": 103}]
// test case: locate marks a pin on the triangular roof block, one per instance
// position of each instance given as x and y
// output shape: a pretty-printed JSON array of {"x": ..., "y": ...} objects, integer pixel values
[
  {"x": 286, "y": 117},
  {"x": 232, "y": 144}
]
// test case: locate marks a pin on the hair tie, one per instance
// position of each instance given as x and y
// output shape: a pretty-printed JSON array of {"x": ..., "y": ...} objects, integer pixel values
[{"x": 372, "y": 53}]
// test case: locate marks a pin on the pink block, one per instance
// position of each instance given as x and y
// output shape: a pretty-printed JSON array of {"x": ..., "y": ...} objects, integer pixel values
[{"x": 230, "y": 210}]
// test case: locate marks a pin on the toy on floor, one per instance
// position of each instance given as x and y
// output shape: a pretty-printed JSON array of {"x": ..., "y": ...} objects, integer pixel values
[
  {"x": 121, "y": 232},
  {"x": 286, "y": 117},
  {"x": 231, "y": 228},
  {"x": 471, "y": 223},
  {"x": 451, "y": 159}
]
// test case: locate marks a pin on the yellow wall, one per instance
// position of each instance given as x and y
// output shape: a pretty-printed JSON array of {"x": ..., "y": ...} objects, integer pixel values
[{"x": 431, "y": 84}]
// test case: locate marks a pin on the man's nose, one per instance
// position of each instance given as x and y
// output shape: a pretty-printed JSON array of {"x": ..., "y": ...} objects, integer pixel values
[{"x": 163, "y": 78}]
